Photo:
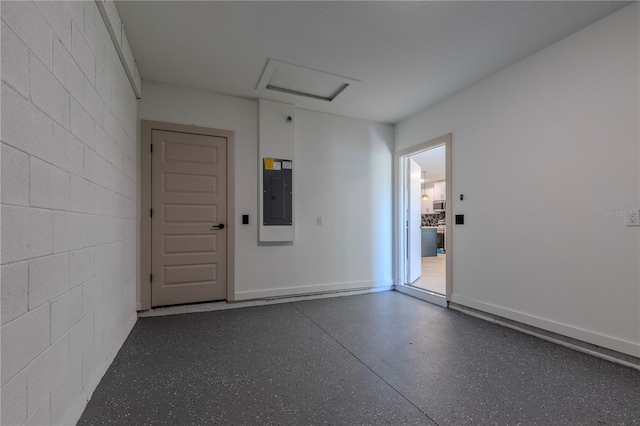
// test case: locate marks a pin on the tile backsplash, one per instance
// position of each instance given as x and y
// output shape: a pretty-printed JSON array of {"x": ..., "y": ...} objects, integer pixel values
[{"x": 431, "y": 219}]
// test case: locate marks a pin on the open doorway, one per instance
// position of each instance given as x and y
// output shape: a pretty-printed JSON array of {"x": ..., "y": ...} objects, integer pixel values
[
  {"x": 428, "y": 202},
  {"x": 424, "y": 205}
]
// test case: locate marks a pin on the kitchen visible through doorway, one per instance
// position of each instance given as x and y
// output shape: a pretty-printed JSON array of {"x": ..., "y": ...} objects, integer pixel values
[{"x": 426, "y": 207}]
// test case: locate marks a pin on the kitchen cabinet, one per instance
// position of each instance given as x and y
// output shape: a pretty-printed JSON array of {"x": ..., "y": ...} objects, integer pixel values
[
  {"x": 429, "y": 242},
  {"x": 440, "y": 190},
  {"x": 427, "y": 205}
]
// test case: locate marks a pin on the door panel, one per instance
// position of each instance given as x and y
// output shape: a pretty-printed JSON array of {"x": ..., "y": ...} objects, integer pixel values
[
  {"x": 190, "y": 153},
  {"x": 188, "y": 256},
  {"x": 189, "y": 214},
  {"x": 414, "y": 222},
  {"x": 189, "y": 274},
  {"x": 181, "y": 183},
  {"x": 190, "y": 244}
]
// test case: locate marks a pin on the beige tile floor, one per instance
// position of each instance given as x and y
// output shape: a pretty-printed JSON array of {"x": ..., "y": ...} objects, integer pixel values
[{"x": 433, "y": 274}]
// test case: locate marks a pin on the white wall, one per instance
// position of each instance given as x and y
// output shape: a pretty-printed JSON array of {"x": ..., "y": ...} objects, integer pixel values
[
  {"x": 342, "y": 172},
  {"x": 68, "y": 208},
  {"x": 276, "y": 139},
  {"x": 554, "y": 140}
]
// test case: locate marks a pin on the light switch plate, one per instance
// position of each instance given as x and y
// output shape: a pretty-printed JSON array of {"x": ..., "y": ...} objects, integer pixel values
[{"x": 632, "y": 218}]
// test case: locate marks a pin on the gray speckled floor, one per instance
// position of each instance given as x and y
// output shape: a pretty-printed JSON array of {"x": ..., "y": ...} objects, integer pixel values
[{"x": 382, "y": 358}]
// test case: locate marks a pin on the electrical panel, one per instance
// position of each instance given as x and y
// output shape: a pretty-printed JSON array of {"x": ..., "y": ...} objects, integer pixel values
[{"x": 277, "y": 183}]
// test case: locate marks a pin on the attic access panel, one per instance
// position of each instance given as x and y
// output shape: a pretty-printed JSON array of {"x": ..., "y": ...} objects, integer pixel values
[{"x": 301, "y": 81}]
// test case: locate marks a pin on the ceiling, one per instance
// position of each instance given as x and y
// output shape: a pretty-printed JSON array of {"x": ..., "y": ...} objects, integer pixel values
[
  {"x": 433, "y": 163},
  {"x": 406, "y": 55}
]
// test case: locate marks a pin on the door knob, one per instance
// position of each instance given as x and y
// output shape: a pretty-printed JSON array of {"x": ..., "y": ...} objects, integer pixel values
[{"x": 221, "y": 226}]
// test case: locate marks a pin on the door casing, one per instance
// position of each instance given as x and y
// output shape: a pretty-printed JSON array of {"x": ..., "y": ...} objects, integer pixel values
[
  {"x": 399, "y": 237},
  {"x": 147, "y": 126}
]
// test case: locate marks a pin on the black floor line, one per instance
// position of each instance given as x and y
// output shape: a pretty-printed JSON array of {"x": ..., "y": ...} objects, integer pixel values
[{"x": 363, "y": 363}]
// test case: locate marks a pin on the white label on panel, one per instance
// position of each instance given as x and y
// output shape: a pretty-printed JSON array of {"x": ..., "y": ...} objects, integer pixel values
[
  {"x": 286, "y": 164},
  {"x": 276, "y": 165}
]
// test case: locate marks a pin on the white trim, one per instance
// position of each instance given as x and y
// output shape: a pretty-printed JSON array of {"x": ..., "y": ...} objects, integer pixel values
[
  {"x": 112, "y": 21},
  {"x": 223, "y": 306},
  {"x": 320, "y": 288},
  {"x": 560, "y": 342},
  {"x": 399, "y": 240},
  {"x": 427, "y": 296},
  {"x": 609, "y": 342}
]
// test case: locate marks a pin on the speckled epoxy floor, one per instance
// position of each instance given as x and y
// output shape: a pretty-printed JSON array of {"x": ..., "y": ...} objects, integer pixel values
[{"x": 382, "y": 358}]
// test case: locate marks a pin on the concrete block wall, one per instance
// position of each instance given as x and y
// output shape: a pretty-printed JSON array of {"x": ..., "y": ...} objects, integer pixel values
[{"x": 68, "y": 193}]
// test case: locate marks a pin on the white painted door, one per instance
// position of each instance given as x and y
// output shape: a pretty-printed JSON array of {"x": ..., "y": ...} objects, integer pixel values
[{"x": 414, "y": 222}]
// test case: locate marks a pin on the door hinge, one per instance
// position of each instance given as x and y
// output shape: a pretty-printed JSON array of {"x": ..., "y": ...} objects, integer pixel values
[
  {"x": 151, "y": 147},
  {"x": 151, "y": 278},
  {"x": 150, "y": 212}
]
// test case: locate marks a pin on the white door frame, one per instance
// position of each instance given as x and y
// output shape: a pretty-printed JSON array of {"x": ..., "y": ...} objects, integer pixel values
[{"x": 399, "y": 234}]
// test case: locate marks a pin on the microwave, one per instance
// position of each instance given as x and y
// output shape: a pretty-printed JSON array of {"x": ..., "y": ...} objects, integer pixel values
[{"x": 439, "y": 206}]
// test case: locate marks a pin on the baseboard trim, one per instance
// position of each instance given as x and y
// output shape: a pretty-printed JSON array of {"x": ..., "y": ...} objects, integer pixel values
[
  {"x": 606, "y": 347},
  {"x": 310, "y": 289},
  {"x": 221, "y": 306},
  {"x": 427, "y": 296}
]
